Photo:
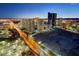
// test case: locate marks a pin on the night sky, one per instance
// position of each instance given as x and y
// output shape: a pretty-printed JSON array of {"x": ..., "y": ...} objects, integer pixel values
[{"x": 30, "y": 10}]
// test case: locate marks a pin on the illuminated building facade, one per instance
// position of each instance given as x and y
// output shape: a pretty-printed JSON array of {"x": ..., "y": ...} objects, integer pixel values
[{"x": 33, "y": 24}]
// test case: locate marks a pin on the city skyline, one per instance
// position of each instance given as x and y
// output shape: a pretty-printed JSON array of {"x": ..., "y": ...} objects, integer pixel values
[{"x": 30, "y": 10}]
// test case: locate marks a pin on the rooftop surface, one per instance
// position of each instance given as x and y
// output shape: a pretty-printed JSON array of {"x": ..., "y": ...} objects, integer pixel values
[{"x": 61, "y": 42}]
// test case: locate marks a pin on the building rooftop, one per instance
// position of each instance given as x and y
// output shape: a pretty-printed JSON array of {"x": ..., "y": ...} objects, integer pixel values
[{"x": 61, "y": 42}]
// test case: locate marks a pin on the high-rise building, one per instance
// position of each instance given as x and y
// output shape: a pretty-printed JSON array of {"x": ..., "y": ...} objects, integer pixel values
[
  {"x": 27, "y": 24},
  {"x": 38, "y": 23},
  {"x": 30, "y": 25},
  {"x": 52, "y": 19}
]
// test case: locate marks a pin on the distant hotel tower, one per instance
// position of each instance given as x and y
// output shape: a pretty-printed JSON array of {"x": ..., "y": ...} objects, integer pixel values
[{"x": 52, "y": 18}]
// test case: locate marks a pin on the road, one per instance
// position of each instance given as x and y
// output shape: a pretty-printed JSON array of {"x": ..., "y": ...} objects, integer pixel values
[{"x": 37, "y": 50}]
